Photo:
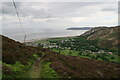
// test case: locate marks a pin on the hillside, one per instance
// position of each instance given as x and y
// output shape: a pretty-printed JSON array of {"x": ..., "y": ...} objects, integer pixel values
[
  {"x": 13, "y": 51},
  {"x": 77, "y": 67},
  {"x": 18, "y": 57},
  {"x": 107, "y": 36}
]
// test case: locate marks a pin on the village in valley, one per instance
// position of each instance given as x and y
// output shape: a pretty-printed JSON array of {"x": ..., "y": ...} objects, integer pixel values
[
  {"x": 77, "y": 46},
  {"x": 68, "y": 44}
]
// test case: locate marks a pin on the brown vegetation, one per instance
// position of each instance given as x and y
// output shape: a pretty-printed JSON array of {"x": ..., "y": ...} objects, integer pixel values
[
  {"x": 13, "y": 51},
  {"x": 66, "y": 66},
  {"x": 76, "y": 67}
]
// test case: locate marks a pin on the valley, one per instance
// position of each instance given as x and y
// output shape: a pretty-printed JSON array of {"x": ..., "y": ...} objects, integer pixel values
[
  {"x": 66, "y": 57},
  {"x": 80, "y": 46},
  {"x": 59, "y": 40}
]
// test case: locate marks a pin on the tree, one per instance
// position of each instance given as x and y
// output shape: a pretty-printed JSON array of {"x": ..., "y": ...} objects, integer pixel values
[
  {"x": 98, "y": 56},
  {"x": 87, "y": 55},
  {"x": 93, "y": 57},
  {"x": 112, "y": 57},
  {"x": 80, "y": 53},
  {"x": 105, "y": 59},
  {"x": 70, "y": 52}
]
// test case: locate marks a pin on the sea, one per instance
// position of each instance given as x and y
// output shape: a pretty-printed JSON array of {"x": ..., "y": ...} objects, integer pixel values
[{"x": 37, "y": 34}]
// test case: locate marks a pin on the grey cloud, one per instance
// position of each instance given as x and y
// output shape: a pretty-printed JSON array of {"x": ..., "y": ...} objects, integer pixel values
[
  {"x": 56, "y": 14},
  {"x": 109, "y": 9},
  {"x": 7, "y": 8},
  {"x": 60, "y": 9},
  {"x": 42, "y": 13}
]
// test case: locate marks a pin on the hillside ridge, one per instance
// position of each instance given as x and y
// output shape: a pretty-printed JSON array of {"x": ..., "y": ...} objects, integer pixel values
[
  {"x": 66, "y": 66},
  {"x": 108, "y": 36}
]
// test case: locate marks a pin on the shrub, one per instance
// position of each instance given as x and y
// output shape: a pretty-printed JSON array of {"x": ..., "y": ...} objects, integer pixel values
[
  {"x": 104, "y": 58},
  {"x": 23, "y": 61},
  {"x": 87, "y": 55},
  {"x": 112, "y": 58},
  {"x": 80, "y": 53},
  {"x": 8, "y": 58},
  {"x": 93, "y": 57},
  {"x": 39, "y": 53},
  {"x": 6, "y": 70}
]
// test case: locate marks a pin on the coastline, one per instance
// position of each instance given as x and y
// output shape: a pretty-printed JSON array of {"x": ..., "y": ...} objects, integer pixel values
[
  {"x": 34, "y": 40},
  {"x": 39, "y": 36}
]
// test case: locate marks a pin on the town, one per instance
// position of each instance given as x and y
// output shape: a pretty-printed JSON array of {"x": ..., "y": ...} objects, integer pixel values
[
  {"x": 70, "y": 44},
  {"x": 77, "y": 46}
]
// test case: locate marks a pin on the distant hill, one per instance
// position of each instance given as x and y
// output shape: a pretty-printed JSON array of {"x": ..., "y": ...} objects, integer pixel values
[
  {"x": 107, "y": 36},
  {"x": 77, "y": 28}
]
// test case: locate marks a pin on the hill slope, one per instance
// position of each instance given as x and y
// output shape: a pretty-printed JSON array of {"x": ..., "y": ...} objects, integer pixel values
[
  {"x": 77, "y": 67},
  {"x": 65, "y": 66},
  {"x": 13, "y": 51},
  {"x": 17, "y": 57},
  {"x": 108, "y": 36}
]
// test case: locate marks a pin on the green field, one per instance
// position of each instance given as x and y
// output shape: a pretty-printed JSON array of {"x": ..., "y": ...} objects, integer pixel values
[
  {"x": 80, "y": 43},
  {"x": 111, "y": 58}
]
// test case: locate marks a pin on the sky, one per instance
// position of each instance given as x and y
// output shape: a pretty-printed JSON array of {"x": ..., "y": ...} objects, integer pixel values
[{"x": 59, "y": 15}]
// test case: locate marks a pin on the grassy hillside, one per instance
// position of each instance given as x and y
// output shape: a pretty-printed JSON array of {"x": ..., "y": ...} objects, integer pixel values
[
  {"x": 19, "y": 59},
  {"x": 77, "y": 67},
  {"x": 108, "y": 36}
]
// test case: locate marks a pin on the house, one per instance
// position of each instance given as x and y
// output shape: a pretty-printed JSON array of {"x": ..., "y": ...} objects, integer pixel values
[
  {"x": 110, "y": 53},
  {"x": 101, "y": 51}
]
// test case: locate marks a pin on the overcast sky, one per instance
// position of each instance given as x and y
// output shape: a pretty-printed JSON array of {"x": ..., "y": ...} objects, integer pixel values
[{"x": 60, "y": 15}]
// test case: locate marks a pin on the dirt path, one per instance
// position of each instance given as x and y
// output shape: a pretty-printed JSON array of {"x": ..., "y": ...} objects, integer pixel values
[{"x": 35, "y": 71}]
